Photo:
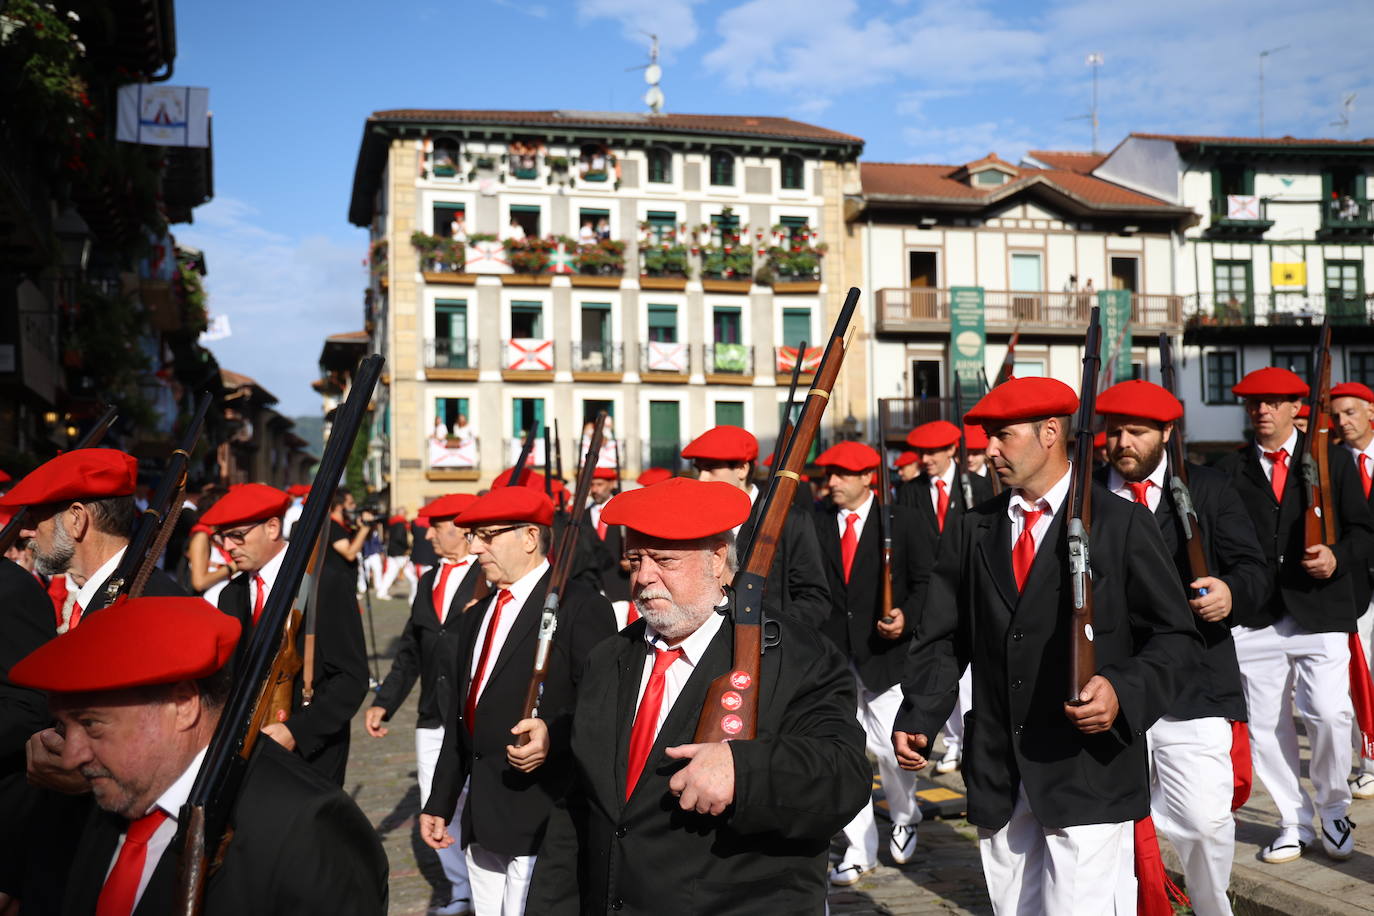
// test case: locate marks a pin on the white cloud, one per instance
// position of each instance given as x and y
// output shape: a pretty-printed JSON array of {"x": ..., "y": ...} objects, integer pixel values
[
  {"x": 673, "y": 21},
  {"x": 282, "y": 296}
]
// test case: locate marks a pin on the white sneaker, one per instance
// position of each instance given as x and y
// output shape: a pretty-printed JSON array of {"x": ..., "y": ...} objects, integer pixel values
[
  {"x": 1338, "y": 837},
  {"x": 950, "y": 762},
  {"x": 902, "y": 843},
  {"x": 460, "y": 907},
  {"x": 1286, "y": 847},
  {"x": 843, "y": 875},
  {"x": 1362, "y": 786}
]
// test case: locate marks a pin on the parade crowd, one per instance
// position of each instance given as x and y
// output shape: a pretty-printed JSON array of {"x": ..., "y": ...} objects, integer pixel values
[{"x": 925, "y": 626}]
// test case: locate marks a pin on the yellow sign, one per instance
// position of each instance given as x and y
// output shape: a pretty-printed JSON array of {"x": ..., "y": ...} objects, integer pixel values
[{"x": 1288, "y": 273}]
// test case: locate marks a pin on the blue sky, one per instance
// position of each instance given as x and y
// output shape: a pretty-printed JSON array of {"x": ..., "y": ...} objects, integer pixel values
[{"x": 292, "y": 83}]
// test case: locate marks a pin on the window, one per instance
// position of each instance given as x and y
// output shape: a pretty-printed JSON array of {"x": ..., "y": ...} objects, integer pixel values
[
  {"x": 592, "y": 225},
  {"x": 526, "y": 320},
  {"x": 444, "y": 158},
  {"x": 596, "y": 162},
  {"x": 1345, "y": 291},
  {"x": 526, "y": 413},
  {"x": 1359, "y": 367},
  {"x": 793, "y": 175},
  {"x": 1298, "y": 362},
  {"x": 723, "y": 224},
  {"x": 1229, "y": 181},
  {"x": 794, "y": 226},
  {"x": 796, "y": 327},
  {"x": 592, "y": 406},
  {"x": 596, "y": 322},
  {"x": 447, "y": 411},
  {"x": 923, "y": 266},
  {"x": 729, "y": 413},
  {"x": 1221, "y": 372},
  {"x": 527, "y": 217},
  {"x": 990, "y": 177},
  {"x": 445, "y": 216},
  {"x": 451, "y": 334},
  {"x": 664, "y": 430},
  {"x": 660, "y": 165},
  {"x": 1233, "y": 291},
  {"x": 1125, "y": 273},
  {"x": 725, "y": 325},
  {"x": 722, "y": 169},
  {"x": 662, "y": 226},
  {"x": 663, "y": 323},
  {"x": 594, "y": 352}
]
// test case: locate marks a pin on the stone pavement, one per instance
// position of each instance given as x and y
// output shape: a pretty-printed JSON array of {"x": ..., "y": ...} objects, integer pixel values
[{"x": 945, "y": 876}]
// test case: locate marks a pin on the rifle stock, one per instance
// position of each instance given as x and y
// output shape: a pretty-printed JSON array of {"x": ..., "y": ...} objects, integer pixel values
[
  {"x": 730, "y": 711},
  {"x": 250, "y": 703},
  {"x": 1082, "y": 656},
  {"x": 885, "y": 517},
  {"x": 1319, "y": 519},
  {"x": 965, "y": 485},
  {"x": 1004, "y": 372},
  {"x": 10, "y": 533},
  {"x": 1178, "y": 472}
]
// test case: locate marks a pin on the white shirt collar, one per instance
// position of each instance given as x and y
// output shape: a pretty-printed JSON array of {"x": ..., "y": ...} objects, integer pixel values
[
  {"x": 947, "y": 477},
  {"x": 521, "y": 588},
  {"x": 694, "y": 646},
  {"x": 271, "y": 568},
  {"x": 172, "y": 800},
  {"x": 1357, "y": 452},
  {"x": 88, "y": 592},
  {"x": 1117, "y": 483},
  {"x": 1289, "y": 445},
  {"x": 1055, "y": 497},
  {"x": 861, "y": 512}
]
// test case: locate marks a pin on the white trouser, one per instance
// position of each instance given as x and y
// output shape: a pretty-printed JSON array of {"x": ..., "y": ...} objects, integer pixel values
[
  {"x": 954, "y": 728},
  {"x": 876, "y": 714},
  {"x": 428, "y": 741},
  {"x": 394, "y": 566},
  {"x": 1275, "y": 660},
  {"x": 1191, "y": 784},
  {"x": 1365, "y": 628},
  {"x": 369, "y": 571},
  {"x": 1033, "y": 870},
  {"x": 499, "y": 883}
]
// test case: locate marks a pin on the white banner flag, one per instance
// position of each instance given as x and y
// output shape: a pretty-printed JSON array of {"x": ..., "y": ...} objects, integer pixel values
[
  {"x": 160, "y": 115},
  {"x": 218, "y": 329}
]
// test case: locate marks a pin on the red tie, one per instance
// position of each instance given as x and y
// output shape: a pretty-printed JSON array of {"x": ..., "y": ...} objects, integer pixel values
[
  {"x": 1023, "y": 554},
  {"x": 261, "y": 597},
  {"x": 118, "y": 896},
  {"x": 76, "y": 616},
  {"x": 849, "y": 544},
  {"x": 941, "y": 503},
  {"x": 1365, "y": 480},
  {"x": 502, "y": 599},
  {"x": 646, "y": 719},
  {"x": 1279, "y": 476},
  {"x": 600, "y": 527},
  {"x": 1140, "y": 490},
  {"x": 439, "y": 587}
]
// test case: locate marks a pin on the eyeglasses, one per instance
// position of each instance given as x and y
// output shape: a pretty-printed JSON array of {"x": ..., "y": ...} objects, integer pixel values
[
  {"x": 486, "y": 537},
  {"x": 238, "y": 537}
]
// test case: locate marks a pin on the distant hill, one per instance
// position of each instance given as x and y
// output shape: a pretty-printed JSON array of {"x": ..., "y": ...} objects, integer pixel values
[{"x": 311, "y": 429}]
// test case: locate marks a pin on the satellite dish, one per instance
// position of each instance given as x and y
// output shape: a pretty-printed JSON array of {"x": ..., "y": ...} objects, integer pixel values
[
  {"x": 653, "y": 74},
  {"x": 654, "y": 99}
]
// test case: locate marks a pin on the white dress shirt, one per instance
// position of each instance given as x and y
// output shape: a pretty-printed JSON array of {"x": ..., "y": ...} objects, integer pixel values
[
  {"x": 1355, "y": 453},
  {"x": 948, "y": 478},
  {"x": 1118, "y": 485},
  {"x": 88, "y": 592},
  {"x": 1051, "y": 504},
  {"x": 269, "y": 577},
  {"x": 1288, "y": 446},
  {"x": 842, "y": 517},
  {"x": 519, "y": 593},
  {"x": 455, "y": 579},
  {"x": 675, "y": 678},
  {"x": 170, "y": 802}
]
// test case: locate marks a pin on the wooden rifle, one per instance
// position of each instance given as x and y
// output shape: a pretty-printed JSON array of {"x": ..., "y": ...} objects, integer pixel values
[
  {"x": 563, "y": 558},
  {"x": 251, "y": 703},
  {"x": 548, "y": 466},
  {"x": 784, "y": 439},
  {"x": 1319, "y": 521},
  {"x": 992, "y": 471},
  {"x": 1078, "y": 524},
  {"x": 1009, "y": 361},
  {"x": 10, "y": 533},
  {"x": 155, "y": 525},
  {"x": 965, "y": 484},
  {"x": 731, "y": 709},
  {"x": 885, "y": 517},
  {"x": 557, "y": 453},
  {"x": 1178, "y": 472},
  {"x": 517, "y": 473}
]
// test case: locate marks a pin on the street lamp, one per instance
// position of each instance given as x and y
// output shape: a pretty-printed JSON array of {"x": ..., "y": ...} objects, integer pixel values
[{"x": 74, "y": 238}]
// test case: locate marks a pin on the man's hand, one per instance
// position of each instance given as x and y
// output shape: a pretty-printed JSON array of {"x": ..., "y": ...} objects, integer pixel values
[
  {"x": 892, "y": 628},
  {"x": 1319, "y": 561},
  {"x": 434, "y": 832},
  {"x": 1098, "y": 707},
  {"x": 528, "y": 756},
  {"x": 707, "y": 784},
  {"x": 372, "y": 721},
  {"x": 1216, "y": 604},
  {"x": 279, "y": 733},
  {"x": 45, "y": 770},
  {"x": 908, "y": 748}
]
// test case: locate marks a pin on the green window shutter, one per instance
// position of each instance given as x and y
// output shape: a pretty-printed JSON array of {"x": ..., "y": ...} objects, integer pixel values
[
  {"x": 729, "y": 413},
  {"x": 663, "y": 323},
  {"x": 796, "y": 327}
]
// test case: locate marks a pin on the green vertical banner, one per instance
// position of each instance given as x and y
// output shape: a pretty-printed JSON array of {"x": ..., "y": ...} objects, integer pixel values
[
  {"x": 1116, "y": 334},
  {"x": 967, "y": 340}
]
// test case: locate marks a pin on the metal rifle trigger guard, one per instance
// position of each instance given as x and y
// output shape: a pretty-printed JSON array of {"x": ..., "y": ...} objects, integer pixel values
[
  {"x": 1183, "y": 500},
  {"x": 772, "y": 634},
  {"x": 1078, "y": 561}
]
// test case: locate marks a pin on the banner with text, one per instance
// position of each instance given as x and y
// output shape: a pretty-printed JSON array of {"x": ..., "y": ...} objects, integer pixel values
[
  {"x": 967, "y": 340},
  {"x": 161, "y": 115},
  {"x": 1116, "y": 335}
]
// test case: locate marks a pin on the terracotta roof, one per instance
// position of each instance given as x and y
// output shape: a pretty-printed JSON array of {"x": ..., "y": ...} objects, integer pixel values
[
  {"x": 915, "y": 180},
  {"x": 349, "y": 337},
  {"x": 233, "y": 379},
  {"x": 1066, "y": 160},
  {"x": 739, "y": 125},
  {"x": 937, "y": 183},
  {"x": 1186, "y": 140}
]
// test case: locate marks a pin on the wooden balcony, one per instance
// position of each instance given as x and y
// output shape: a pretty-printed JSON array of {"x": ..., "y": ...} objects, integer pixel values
[{"x": 925, "y": 310}]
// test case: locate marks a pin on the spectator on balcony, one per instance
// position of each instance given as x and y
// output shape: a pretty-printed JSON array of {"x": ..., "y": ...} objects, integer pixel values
[
  {"x": 514, "y": 231},
  {"x": 440, "y": 429},
  {"x": 1072, "y": 285},
  {"x": 603, "y": 229},
  {"x": 1350, "y": 209},
  {"x": 458, "y": 228},
  {"x": 462, "y": 432},
  {"x": 587, "y": 234}
]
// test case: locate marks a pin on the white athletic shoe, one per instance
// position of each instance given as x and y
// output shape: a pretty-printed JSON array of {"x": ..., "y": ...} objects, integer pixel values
[
  {"x": 1362, "y": 786},
  {"x": 1286, "y": 847},
  {"x": 459, "y": 907},
  {"x": 902, "y": 843},
  {"x": 1338, "y": 837},
  {"x": 950, "y": 762},
  {"x": 847, "y": 875}
]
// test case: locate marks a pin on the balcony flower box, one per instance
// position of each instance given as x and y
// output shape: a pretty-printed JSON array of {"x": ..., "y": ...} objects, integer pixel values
[
  {"x": 650, "y": 282},
  {"x": 444, "y": 170},
  {"x": 713, "y": 285},
  {"x": 665, "y": 261},
  {"x": 605, "y": 258},
  {"x": 439, "y": 254}
]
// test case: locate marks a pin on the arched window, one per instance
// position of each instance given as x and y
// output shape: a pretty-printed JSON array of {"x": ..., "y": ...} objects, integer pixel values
[
  {"x": 660, "y": 165},
  {"x": 722, "y": 169},
  {"x": 793, "y": 177},
  {"x": 444, "y": 158}
]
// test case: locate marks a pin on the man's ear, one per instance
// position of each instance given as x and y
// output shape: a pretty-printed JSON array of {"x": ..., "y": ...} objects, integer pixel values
[
  {"x": 719, "y": 568},
  {"x": 78, "y": 520},
  {"x": 188, "y": 705}
]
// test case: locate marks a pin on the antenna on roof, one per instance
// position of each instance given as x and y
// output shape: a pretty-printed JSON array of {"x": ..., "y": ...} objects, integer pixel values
[
  {"x": 653, "y": 75},
  {"x": 1262, "y": 56},
  {"x": 1095, "y": 62},
  {"x": 1343, "y": 122}
]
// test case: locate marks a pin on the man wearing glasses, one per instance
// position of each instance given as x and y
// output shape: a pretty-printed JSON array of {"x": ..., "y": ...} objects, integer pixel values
[
  {"x": 513, "y": 767},
  {"x": 249, "y": 522}
]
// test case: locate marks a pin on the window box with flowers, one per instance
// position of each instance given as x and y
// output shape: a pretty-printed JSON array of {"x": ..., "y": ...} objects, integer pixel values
[
  {"x": 529, "y": 259},
  {"x": 664, "y": 267},
  {"x": 602, "y": 261},
  {"x": 442, "y": 259},
  {"x": 376, "y": 260},
  {"x": 726, "y": 268},
  {"x": 793, "y": 263}
]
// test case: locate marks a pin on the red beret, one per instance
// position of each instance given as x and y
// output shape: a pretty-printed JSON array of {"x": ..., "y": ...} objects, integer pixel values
[
  {"x": 447, "y": 506},
  {"x": 1139, "y": 398},
  {"x": 723, "y": 443},
  {"x": 246, "y": 503},
  {"x": 1100, "y": 440},
  {"x": 906, "y": 458},
  {"x": 652, "y": 476},
  {"x": 1022, "y": 399},
  {"x": 936, "y": 434},
  {"x": 975, "y": 437},
  {"x": 850, "y": 456},
  {"x": 530, "y": 479},
  {"x": 84, "y": 473},
  {"x": 605, "y": 474},
  {"x": 133, "y": 643},
  {"x": 1271, "y": 380},
  {"x": 1353, "y": 390},
  {"x": 298, "y": 489},
  {"x": 681, "y": 509},
  {"x": 1305, "y": 411},
  {"x": 4, "y": 477},
  {"x": 508, "y": 504}
]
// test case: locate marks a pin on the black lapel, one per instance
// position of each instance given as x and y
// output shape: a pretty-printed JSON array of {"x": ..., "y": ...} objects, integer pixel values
[
  {"x": 162, "y": 882},
  {"x": 994, "y": 545},
  {"x": 629, "y": 672},
  {"x": 1250, "y": 466},
  {"x": 830, "y": 540},
  {"x": 91, "y": 862},
  {"x": 924, "y": 507}
]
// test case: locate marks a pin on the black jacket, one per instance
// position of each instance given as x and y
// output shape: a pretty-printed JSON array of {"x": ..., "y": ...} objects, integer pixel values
[
  {"x": 300, "y": 847},
  {"x": 340, "y": 682},
  {"x": 796, "y": 785},
  {"x": 159, "y": 584},
  {"x": 1362, "y": 586},
  {"x": 916, "y": 494},
  {"x": 856, "y": 606},
  {"x": 796, "y": 581},
  {"x": 614, "y": 580},
  {"x": 1017, "y": 733},
  {"x": 506, "y": 809},
  {"x": 1234, "y": 556},
  {"x": 1318, "y": 605},
  {"x": 421, "y": 550},
  {"x": 428, "y": 650}
]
